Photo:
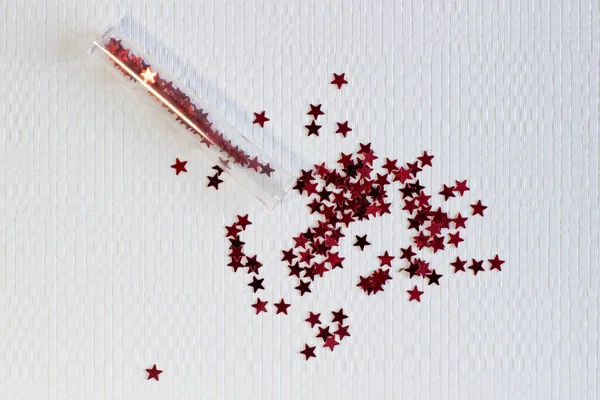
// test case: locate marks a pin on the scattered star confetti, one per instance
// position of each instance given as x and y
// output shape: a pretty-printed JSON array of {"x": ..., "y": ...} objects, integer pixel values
[
  {"x": 313, "y": 319},
  {"x": 153, "y": 373},
  {"x": 313, "y": 128},
  {"x": 476, "y": 266},
  {"x": 478, "y": 208},
  {"x": 214, "y": 181},
  {"x": 308, "y": 351},
  {"x": 260, "y": 119},
  {"x": 179, "y": 166},
  {"x": 260, "y": 306},
  {"x": 148, "y": 75},
  {"x": 339, "y": 80},
  {"x": 496, "y": 263},
  {"x": 343, "y": 128},
  {"x": 415, "y": 294},
  {"x": 282, "y": 307},
  {"x": 315, "y": 111},
  {"x": 361, "y": 241}
]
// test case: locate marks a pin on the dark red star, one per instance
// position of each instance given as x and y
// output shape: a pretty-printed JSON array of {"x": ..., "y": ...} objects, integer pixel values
[
  {"x": 447, "y": 192},
  {"x": 232, "y": 231},
  {"x": 339, "y": 80},
  {"x": 179, "y": 166},
  {"x": 331, "y": 343},
  {"x": 478, "y": 208},
  {"x": 308, "y": 351},
  {"x": 282, "y": 307},
  {"x": 260, "y": 119},
  {"x": 324, "y": 333},
  {"x": 288, "y": 256},
  {"x": 313, "y": 128},
  {"x": 476, "y": 266},
  {"x": 361, "y": 241},
  {"x": 415, "y": 294},
  {"x": 390, "y": 165},
  {"x": 461, "y": 187},
  {"x": 343, "y": 128},
  {"x": 407, "y": 253},
  {"x": 303, "y": 287},
  {"x": 425, "y": 159},
  {"x": 266, "y": 169},
  {"x": 313, "y": 319},
  {"x": 295, "y": 270},
  {"x": 260, "y": 306},
  {"x": 339, "y": 316},
  {"x": 315, "y": 111},
  {"x": 458, "y": 264},
  {"x": 256, "y": 284},
  {"x": 342, "y": 331},
  {"x": 496, "y": 263},
  {"x": 153, "y": 372},
  {"x": 455, "y": 239},
  {"x": 433, "y": 277},
  {"x": 214, "y": 181},
  {"x": 243, "y": 221},
  {"x": 385, "y": 259},
  {"x": 459, "y": 221}
]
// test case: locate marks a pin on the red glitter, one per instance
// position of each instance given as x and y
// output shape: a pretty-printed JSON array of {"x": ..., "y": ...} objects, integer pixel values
[
  {"x": 339, "y": 80},
  {"x": 179, "y": 166},
  {"x": 153, "y": 372},
  {"x": 260, "y": 119}
]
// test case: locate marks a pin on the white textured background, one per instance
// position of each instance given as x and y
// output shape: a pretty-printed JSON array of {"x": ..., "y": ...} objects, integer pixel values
[{"x": 110, "y": 263}]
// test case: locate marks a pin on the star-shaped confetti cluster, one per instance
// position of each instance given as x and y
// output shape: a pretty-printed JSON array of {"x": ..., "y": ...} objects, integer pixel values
[
  {"x": 179, "y": 104},
  {"x": 331, "y": 335},
  {"x": 238, "y": 259},
  {"x": 215, "y": 180}
]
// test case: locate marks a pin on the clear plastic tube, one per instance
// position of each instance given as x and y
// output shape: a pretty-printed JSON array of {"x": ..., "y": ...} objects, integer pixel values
[{"x": 226, "y": 146}]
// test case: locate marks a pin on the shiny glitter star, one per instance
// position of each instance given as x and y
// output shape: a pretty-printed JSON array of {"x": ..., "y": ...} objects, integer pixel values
[
  {"x": 179, "y": 166},
  {"x": 256, "y": 284},
  {"x": 243, "y": 221},
  {"x": 313, "y": 319},
  {"x": 260, "y": 119},
  {"x": 496, "y": 263},
  {"x": 303, "y": 287},
  {"x": 148, "y": 75},
  {"x": 433, "y": 277},
  {"x": 308, "y": 351},
  {"x": 339, "y": 316},
  {"x": 461, "y": 187},
  {"x": 478, "y": 208},
  {"x": 324, "y": 333},
  {"x": 342, "y": 331},
  {"x": 455, "y": 239},
  {"x": 447, "y": 192},
  {"x": 260, "y": 306},
  {"x": 459, "y": 221},
  {"x": 385, "y": 259},
  {"x": 476, "y": 266},
  {"x": 361, "y": 241},
  {"x": 343, "y": 128},
  {"x": 214, "y": 181},
  {"x": 153, "y": 372},
  {"x": 282, "y": 307},
  {"x": 313, "y": 128},
  {"x": 458, "y": 264},
  {"x": 315, "y": 111},
  {"x": 339, "y": 80},
  {"x": 425, "y": 159},
  {"x": 415, "y": 294},
  {"x": 330, "y": 343}
]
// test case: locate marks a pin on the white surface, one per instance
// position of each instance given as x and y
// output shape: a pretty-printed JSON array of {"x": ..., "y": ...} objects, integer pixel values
[{"x": 110, "y": 263}]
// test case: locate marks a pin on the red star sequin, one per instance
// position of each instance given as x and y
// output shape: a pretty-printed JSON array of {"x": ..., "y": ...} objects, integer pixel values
[
  {"x": 385, "y": 259},
  {"x": 339, "y": 80},
  {"x": 260, "y": 119},
  {"x": 361, "y": 241},
  {"x": 330, "y": 343},
  {"x": 282, "y": 307},
  {"x": 243, "y": 221},
  {"x": 260, "y": 306},
  {"x": 214, "y": 181},
  {"x": 459, "y": 221},
  {"x": 313, "y": 319},
  {"x": 496, "y": 263},
  {"x": 153, "y": 372},
  {"x": 179, "y": 166},
  {"x": 415, "y": 294},
  {"x": 343, "y": 128},
  {"x": 455, "y": 239},
  {"x": 303, "y": 287},
  {"x": 478, "y": 208},
  {"x": 342, "y": 331},
  {"x": 476, "y": 266},
  {"x": 459, "y": 265},
  {"x": 315, "y": 111},
  {"x": 425, "y": 159},
  {"x": 447, "y": 192},
  {"x": 308, "y": 351},
  {"x": 232, "y": 231},
  {"x": 339, "y": 316},
  {"x": 256, "y": 284},
  {"x": 324, "y": 333},
  {"x": 313, "y": 128},
  {"x": 461, "y": 187}
]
